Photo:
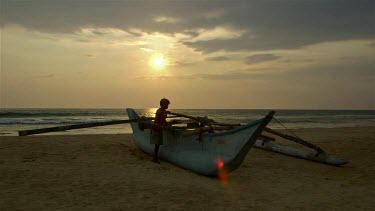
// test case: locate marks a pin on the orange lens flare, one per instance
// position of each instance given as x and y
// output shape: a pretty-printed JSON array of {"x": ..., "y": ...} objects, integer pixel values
[
  {"x": 219, "y": 163},
  {"x": 222, "y": 173}
]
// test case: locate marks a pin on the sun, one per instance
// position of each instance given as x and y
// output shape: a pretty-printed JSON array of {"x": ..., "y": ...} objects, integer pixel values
[{"x": 158, "y": 61}]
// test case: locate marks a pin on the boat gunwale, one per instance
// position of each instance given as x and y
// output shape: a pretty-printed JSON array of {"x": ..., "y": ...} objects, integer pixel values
[{"x": 234, "y": 130}]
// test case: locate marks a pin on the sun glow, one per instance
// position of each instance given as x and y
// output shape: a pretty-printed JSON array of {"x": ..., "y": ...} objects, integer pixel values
[
  {"x": 151, "y": 112},
  {"x": 158, "y": 61}
]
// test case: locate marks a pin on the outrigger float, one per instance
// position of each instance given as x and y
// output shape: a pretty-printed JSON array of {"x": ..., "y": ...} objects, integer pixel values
[{"x": 206, "y": 146}]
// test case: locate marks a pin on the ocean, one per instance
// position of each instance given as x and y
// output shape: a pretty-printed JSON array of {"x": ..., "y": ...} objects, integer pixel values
[{"x": 13, "y": 120}]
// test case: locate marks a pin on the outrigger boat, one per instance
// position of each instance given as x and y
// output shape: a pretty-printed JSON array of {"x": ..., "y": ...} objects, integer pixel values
[
  {"x": 202, "y": 152},
  {"x": 206, "y": 146},
  {"x": 211, "y": 146}
]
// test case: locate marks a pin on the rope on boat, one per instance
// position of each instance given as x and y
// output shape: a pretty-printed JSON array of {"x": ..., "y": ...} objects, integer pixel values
[
  {"x": 286, "y": 128},
  {"x": 299, "y": 140}
]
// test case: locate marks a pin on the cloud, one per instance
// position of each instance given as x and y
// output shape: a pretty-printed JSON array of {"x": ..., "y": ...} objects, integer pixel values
[
  {"x": 47, "y": 76},
  {"x": 217, "y": 58},
  {"x": 164, "y": 77},
  {"x": 217, "y": 33},
  {"x": 293, "y": 61},
  {"x": 260, "y": 58},
  {"x": 226, "y": 76},
  {"x": 184, "y": 63},
  {"x": 214, "y": 14},
  {"x": 166, "y": 19},
  {"x": 229, "y": 75},
  {"x": 219, "y": 25},
  {"x": 90, "y": 55},
  {"x": 148, "y": 50}
]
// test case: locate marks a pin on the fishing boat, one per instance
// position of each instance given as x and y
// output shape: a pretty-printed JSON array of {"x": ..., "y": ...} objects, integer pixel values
[
  {"x": 206, "y": 146},
  {"x": 206, "y": 152}
]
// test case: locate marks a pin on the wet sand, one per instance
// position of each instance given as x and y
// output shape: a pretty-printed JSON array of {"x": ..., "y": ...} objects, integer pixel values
[{"x": 108, "y": 172}]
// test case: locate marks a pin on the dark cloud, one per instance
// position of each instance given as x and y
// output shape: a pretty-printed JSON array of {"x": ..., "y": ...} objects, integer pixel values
[
  {"x": 346, "y": 58},
  {"x": 218, "y": 58},
  {"x": 47, "y": 76},
  {"x": 227, "y": 76},
  {"x": 98, "y": 33},
  {"x": 84, "y": 40},
  {"x": 358, "y": 71},
  {"x": 298, "y": 60},
  {"x": 184, "y": 63},
  {"x": 259, "y": 58},
  {"x": 268, "y": 24},
  {"x": 294, "y": 24}
]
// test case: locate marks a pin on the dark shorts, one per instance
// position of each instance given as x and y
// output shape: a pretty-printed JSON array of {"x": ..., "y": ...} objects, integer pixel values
[{"x": 156, "y": 138}]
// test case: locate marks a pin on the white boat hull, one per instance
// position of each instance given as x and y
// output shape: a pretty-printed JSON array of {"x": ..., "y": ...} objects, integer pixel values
[{"x": 201, "y": 154}]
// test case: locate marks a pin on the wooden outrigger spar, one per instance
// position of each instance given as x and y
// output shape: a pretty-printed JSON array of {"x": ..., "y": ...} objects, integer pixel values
[
  {"x": 299, "y": 153},
  {"x": 70, "y": 127},
  {"x": 198, "y": 127},
  {"x": 73, "y": 127},
  {"x": 268, "y": 143}
]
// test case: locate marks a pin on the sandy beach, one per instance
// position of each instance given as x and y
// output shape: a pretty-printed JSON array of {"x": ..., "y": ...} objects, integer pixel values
[{"x": 108, "y": 172}]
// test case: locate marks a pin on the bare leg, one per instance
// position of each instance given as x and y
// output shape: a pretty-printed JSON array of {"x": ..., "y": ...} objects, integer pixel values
[{"x": 156, "y": 153}]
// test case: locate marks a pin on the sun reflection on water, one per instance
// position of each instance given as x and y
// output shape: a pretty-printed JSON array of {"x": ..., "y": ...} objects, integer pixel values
[{"x": 150, "y": 112}]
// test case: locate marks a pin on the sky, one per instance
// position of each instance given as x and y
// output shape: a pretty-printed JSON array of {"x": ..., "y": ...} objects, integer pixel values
[{"x": 254, "y": 54}]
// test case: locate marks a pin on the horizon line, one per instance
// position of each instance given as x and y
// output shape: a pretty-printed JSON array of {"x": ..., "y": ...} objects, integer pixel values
[{"x": 108, "y": 108}]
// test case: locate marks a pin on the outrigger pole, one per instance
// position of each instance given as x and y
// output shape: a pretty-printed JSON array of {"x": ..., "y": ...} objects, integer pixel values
[
  {"x": 113, "y": 122},
  {"x": 71, "y": 127}
]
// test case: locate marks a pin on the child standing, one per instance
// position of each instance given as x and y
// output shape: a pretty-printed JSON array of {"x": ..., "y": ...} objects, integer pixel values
[{"x": 157, "y": 132}]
